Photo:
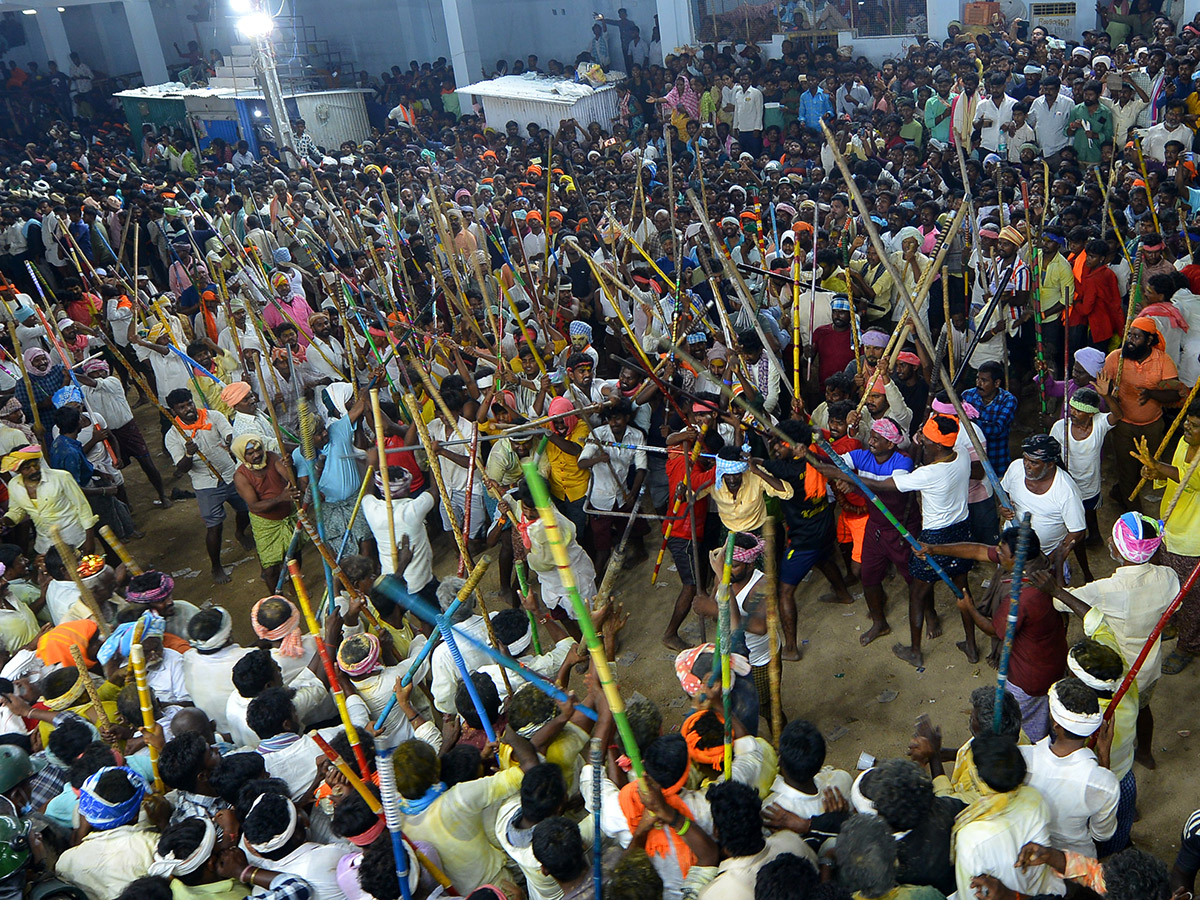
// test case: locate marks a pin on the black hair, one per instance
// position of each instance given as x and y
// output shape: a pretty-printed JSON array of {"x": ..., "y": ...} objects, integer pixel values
[
  {"x": 993, "y": 370},
  {"x": 377, "y": 872},
  {"x": 645, "y": 720},
  {"x": 67, "y": 419},
  {"x": 114, "y": 785},
  {"x": 1134, "y": 874},
  {"x": 866, "y": 855},
  {"x": 485, "y": 689},
  {"x": 801, "y": 750},
  {"x": 149, "y": 887},
  {"x": 95, "y": 756},
  {"x": 666, "y": 759},
  {"x": 902, "y": 793},
  {"x": 352, "y": 817},
  {"x": 543, "y": 792},
  {"x": 182, "y": 839},
  {"x": 204, "y": 624},
  {"x": 633, "y": 878},
  {"x": 9, "y": 554},
  {"x": 839, "y": 381},
  {"x": 998, "y": 761},
  {"x": 1012, "y": 535},
  {"x": 461, "y": 763},
  {"x": 529, "y": 706},
  {"x": 786, "y": 877},
  {"x": 179, "y": 395},
  {"x": 983, "y": 701},
  {"x": 254, "y": 789},
  {"x": 509, "y": 625},
  {"x": 558, "y": 846},
  {"x": 1077, "y": 697},
  {"x": 797, "y": 432},
  {"x": 273, "y": 612},
  {"x": 233, "y": 771},
  {"x": 182, "y": 761},
  {"x": 266, "y": 820},
  {"x": 69, "y": 740},
  {"x": 737, "y": 817},
  {"x": 59, "y": 682},
  {"x": 1098, "y": 660},
  {"x": 839, "y": 409},
  {"x": 253, "y": 672},
  {"x": 269, "y": 713}
]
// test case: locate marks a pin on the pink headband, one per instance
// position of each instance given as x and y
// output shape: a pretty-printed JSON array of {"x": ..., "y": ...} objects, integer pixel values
[
  {"x": 367, "y": 838},
  {"x": 1127, "y": 535},
  {"x": 749, "y": 554},
  {"x": 947, "y": 409},
  {"x": 289, "y": 632},
  {"x": 887, "y": 429}
]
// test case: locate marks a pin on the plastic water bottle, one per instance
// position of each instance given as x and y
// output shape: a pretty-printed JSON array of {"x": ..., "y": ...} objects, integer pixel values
[{"x": 1003, "y": 151}]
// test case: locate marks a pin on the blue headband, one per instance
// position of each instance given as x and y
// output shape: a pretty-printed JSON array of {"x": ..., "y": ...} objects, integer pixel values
[{"x": 100, "y": 813}]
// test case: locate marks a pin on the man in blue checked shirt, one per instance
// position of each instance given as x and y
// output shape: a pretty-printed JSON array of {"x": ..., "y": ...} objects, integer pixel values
[
  {"x": 814, "y": 103},
  {"x": 997, "y": 409}
]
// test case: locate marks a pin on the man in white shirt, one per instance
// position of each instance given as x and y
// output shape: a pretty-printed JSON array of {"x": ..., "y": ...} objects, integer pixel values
[
  {"x": 1172, "y": 128},
  {"x": 445, "y": 673},
  {"x": 852, "y": 99},
  {"x": 208, "y": 670},
  {"x": 992, "y": 112},
  {"x": 276, "y": 838},
  {"x": 1048, "y": 118},
  {"x": 1037, "y": 485},
  {"x": 408, "y": 521},
  {"x": 748, "y": 114},
  {"x": 455, "y": 464},
  {"x": 1075, "y": 782},
  {"x": 197, "y": 444}
]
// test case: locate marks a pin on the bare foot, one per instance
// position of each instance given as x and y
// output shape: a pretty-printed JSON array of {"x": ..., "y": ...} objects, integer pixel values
[
  {"x": 246, "y": 541},
  {"x": 877, "y": 630},
  {"x": 142, "y": 399},
  {"x": 220, "y": 575},
  {"x": 165, "y": 502},
  {"x": 509, "y": 598},
  {"x": 836, "y": 598},
  {"x": 791, "y": 654},
  {"x": 850, "y": 579},
  {"x": 909, "y": 655},
  {"x": 971, "y": 653},
  {"x": 1146, "y": 759},
  {"x": 674, "y": 642},
  {"x": 993, "y": 659},
  {"x": 933, "y": 625}
]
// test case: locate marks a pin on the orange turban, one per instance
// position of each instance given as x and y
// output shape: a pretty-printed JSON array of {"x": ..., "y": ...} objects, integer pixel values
[
  {"x": 1145, "y": 323},
  {"x": 54, "y": 647}
]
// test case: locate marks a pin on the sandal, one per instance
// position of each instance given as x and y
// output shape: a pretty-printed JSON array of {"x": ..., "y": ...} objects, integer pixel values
[{"x": 1176, "y": 662}]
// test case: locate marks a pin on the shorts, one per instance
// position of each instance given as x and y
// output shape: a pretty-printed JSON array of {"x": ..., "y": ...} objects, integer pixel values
[
  {"x": 130, "y": 442},
  {"x": 984, "y": 521},
  {"x": 882, "y": 546},
  {"x": 850, "y": 530},
  {"x": 958, "y": 533},
  {"x": 212, "y": 503},
  {"x": 681, "y": 553},
  {"x": 1093, "y": 503},
  {"x": 458, "y": 501},
  {"x": 797, "y": 563}
]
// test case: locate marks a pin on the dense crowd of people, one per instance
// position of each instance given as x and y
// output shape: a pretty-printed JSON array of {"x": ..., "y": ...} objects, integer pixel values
[{"x": 902, "y": 335}]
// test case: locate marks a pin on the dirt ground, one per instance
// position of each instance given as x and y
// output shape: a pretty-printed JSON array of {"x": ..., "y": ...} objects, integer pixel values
[{"x": 865, "y": 700}]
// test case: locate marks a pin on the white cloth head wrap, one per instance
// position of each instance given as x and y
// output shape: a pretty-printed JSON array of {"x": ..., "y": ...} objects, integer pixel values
[
  {"x": 280, "y": 839},
  {"x": 1096, "y": 684},
  {"x": 221, "y": 636},
  {"x": 168, "y": 866},
  {"x": 1082, "y": 724}
]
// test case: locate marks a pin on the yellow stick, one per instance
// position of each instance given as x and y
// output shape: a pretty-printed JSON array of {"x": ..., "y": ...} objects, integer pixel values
[
  {"x": 1170, "y": 433},
  {"x": 90, "y": 687},
  {"x": 137, "y": 660},
  {"x": 121, "y": 550}
]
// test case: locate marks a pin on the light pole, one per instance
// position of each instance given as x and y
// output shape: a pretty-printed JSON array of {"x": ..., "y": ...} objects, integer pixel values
[{"x": 256, "y": 24}]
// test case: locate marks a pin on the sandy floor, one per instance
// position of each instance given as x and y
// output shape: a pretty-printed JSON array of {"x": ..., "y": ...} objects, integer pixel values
[{"x": 864, "y": 699}]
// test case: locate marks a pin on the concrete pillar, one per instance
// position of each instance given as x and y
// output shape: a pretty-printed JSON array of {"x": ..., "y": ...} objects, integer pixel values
[
  {"x": 54, "y": 36},
  {"x": 675, "y": 25},
  {"x": 146, "y": 43},
  {"x": 941, "y": 12},
  {"x": 464, "y": 41}
]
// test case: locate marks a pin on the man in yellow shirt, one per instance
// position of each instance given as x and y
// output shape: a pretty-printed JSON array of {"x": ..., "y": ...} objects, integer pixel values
[
  {"x": 568, "y": 482},
  {"x": 741, "y": 489},
  {"x": 1057, "y": 286},
  {"x": 50, "y": 498}
]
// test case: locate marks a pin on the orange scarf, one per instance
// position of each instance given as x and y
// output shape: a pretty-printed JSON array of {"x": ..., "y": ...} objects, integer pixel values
[
  {"x": 201, "y": 424},
  {"x": 659, "y": 840}
]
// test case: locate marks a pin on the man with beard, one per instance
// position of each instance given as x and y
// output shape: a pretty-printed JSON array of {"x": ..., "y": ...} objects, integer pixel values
[
  {"x": 1090, "y": 125},
  {"x": 831, "y": 344},
  {"x": 50, "y": 498},
  {"x": 326, "y": 357},
  {"x": 1148, "y": 379},
  {"x": 265, "y": 484}
]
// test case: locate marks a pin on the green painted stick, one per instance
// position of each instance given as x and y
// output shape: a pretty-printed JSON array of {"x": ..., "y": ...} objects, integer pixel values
[
  {"x": 541, "y": 496},
  {"x": 724, "y": 639}
]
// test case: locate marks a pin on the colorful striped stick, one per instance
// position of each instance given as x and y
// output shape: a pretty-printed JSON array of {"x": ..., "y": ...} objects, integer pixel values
[
  {"x": 1014, "y": 602},
  {"x": 724, "y": 648},
  {"x": 330, "y": 672},
  {"x": 121, "y": 550},
  {"x": 137, "y": 662},
  {"x": 558, "y": 548},
  {"x": 391, "y": 815}
]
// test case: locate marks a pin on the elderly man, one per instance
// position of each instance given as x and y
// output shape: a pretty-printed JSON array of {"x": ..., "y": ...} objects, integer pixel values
[
  {"x": 1148, "y": 380},
  {"x": 1037, "y": 484},
  {"x": 50, "y": 498},
  {"x": 288, "y": 307}
]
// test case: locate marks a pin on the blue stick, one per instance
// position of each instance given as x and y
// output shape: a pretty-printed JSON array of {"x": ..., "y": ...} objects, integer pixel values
[
  {"x": 1026, "y": 529},
  {"x": 391, "y": 815}
]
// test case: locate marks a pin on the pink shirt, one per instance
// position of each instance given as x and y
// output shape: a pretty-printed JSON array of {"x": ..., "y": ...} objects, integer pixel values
[{"x": 299, "y": 311}]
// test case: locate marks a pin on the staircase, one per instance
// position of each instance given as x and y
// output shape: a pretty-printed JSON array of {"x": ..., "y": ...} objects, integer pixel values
[{"x": 304, "y": 61}]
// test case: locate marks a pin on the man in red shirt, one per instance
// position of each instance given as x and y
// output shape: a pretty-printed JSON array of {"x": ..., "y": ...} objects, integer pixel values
[
  {"x": 698, "y": 474},
  {"x": 1039, "y": 649},
  {"x": 1096, "y": 313},
  {"x": 832, "y": 345}
]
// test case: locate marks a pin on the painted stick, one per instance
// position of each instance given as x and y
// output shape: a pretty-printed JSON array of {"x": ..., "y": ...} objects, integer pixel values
[
  {"x": 137, "y": 661},
  {"x": 351, "y": 776},
  {"x": 541, "y": 495},
  {"x": 330, "y": 672},
  {"x": 391, "y": 815},
  {"x": 362, "y": 492},
  {"x": 1014, "y": 603},
  {"x": 38, "y": 428},
  {"x": 121, "y": 550},
  {"x": 724, "y": 640}
]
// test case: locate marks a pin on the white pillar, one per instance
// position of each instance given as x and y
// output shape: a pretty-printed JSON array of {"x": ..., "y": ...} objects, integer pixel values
[
  {"x": 146, "y": 43},
  {"x": 464, "y": 41},
  {"x": 675, "y": 25},
  {"x": 941, "y": 12},
  {"x": 54, "y": 36}
]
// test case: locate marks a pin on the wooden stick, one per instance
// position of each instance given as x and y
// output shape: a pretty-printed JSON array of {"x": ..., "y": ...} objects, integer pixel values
[
  {"x": 137, "y": 661},
  {"x": 724, "y": 639},
  {"x": 38, "y": 429},
  {"x": 1167, "y": 437},
  {"x": 381, "y": 449},
  {"x": 121, "y": 550},
  {"x": 90, "y": 687},
  {"x": 71, "y": 561}
]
